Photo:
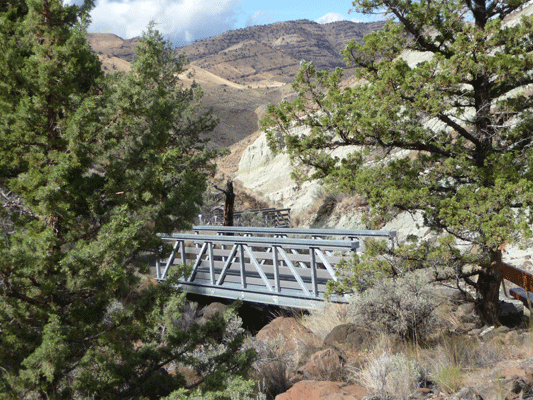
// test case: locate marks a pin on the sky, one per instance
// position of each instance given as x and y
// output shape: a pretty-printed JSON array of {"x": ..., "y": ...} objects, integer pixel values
[{"x": 184, "y": 21}]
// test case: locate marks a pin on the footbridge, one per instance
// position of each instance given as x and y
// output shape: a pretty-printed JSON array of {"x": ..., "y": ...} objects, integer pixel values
[{"x": 279, "y": 266}]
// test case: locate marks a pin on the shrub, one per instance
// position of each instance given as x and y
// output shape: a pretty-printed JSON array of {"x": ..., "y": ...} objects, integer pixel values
[
  {"x": 449, "y": 378},
  {"x": 270, "y": 367},
  {"x": 391, "y": 375},
  {"x": 403, "y": 307}
]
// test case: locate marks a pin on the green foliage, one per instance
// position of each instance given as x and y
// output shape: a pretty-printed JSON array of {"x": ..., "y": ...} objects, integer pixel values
[
  {"x": 450, "y": 379},
  {"x": 361, "y": 271},
  {"x": 236, "y": 389},
  {"x": 448, "y": 137},
  {"x": 90, "y": 169}
]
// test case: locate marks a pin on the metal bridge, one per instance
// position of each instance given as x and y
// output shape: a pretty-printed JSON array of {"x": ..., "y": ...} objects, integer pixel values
[{"x": 279, "y": 266}]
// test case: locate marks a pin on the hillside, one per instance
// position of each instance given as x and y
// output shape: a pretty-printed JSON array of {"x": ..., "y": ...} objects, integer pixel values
[
  {"x": 241, "y": 71},
  {"x": 272, "y": 53}
]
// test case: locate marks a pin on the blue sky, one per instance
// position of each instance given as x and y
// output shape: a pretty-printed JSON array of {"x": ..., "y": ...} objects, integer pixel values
[{"x": 184, "y": 21}]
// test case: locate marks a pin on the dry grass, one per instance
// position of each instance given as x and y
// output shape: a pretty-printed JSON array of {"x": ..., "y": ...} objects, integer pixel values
[
  {"x": 395, "y": 368},
  {"x": 446, "y": 361},
  {"x": 270, "y": 368},
  {"x": 449, "y": 378},
  {"x": 322, "y": 321},
  {"x": 389, "y": 374},
  {"x": 272, "y": 378}
]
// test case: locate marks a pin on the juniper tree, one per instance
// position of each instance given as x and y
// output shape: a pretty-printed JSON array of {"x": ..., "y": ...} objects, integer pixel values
[
  {"x": 452, "y": 132},
  {"x": 90, "y": 169}
]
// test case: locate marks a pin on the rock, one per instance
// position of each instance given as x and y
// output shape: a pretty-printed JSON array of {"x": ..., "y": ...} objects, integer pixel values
[
  {"x": 486, "y": 332},
  {"x": 459, "y": 297},
  {"x": 211, "y": 310},
  {"x": 466, "y": 314},
  {"x": 467, "y": 393},
  {"x": 466, "y": 328},
  {"x": 511, "y": 314},
  {"x": 324, "y": 364},
  {"x": 289, "y": 339},
  {"x": 493, "y": 333},
  {"x": 518, "y": 381},
  {"x": 510, "y": 384},
  {"x": 270, "y": 174},
  {"x": 349, "y": 337},
  {"x": 323, "y": 390},
  {"x": 475, "y": 332}
]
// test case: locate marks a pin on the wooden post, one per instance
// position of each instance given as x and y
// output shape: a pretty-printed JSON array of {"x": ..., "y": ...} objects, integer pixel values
[{"x": 229, "y": 203}]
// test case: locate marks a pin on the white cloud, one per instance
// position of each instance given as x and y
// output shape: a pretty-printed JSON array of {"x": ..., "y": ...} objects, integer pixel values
[
  {"x": 181, "y": 20},
  {"x": 259, "y": 18},
  {"x": 330, "y": 17},
  {"x": 334, "y": 17}
]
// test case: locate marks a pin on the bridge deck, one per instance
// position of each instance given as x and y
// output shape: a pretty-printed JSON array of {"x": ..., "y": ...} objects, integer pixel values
[{"x": 283, "y": 271}]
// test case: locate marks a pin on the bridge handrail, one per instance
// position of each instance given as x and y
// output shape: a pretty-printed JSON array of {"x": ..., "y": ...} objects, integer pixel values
[
  {"x": 294, "y": 231},
  {"x": 521, "y": 278},
  {"x": 262, "y": 210},
  {"x": 338, "y": 244}
]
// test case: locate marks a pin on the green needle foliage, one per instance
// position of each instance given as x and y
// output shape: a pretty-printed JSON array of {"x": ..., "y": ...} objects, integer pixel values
[
  {"x": 449, "y": 137},
  {"x": 90, "y": 169}
]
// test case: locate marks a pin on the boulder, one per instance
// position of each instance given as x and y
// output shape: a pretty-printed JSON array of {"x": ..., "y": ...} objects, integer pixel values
[
  {"x": 289, "y": 339},
  {"x": 209, "y": 311},
  {"x": 323, "y": 390},
  {"x": 324, "y": 364},
  {"x": 349, "y": 337}
]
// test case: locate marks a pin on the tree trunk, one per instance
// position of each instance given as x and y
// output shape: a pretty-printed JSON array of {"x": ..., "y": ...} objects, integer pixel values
[
  {"x": 489, "y": 282},
  {"x": 229, "y": 204}
]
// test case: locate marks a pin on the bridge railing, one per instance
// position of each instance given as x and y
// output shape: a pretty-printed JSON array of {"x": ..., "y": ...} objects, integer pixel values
[
  {"x": 360, "y": 235},
  {"x": 273, "y": 270},
  {"x": 275, "y": 217}
]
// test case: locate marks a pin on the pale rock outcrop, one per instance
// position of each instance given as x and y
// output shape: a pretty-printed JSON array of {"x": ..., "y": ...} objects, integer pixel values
[{"x": 269, "y": 174}]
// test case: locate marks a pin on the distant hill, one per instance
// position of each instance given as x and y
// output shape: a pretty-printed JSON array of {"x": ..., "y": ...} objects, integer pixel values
[
  {"x": 273, "y": 52},
  {"x": 115, "y": 53},
  {"x": 241, "y": 71}
]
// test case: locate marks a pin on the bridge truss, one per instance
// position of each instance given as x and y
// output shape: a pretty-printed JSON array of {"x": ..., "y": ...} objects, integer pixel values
[{"x": 285, "y": 267}]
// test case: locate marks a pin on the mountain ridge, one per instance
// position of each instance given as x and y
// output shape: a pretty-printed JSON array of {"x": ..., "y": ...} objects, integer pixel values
[
  {"x": 283, "y": 44},
  {"x": 243, "y": 70}
]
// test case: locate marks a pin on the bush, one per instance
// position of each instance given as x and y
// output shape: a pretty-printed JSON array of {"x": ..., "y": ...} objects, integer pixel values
[
  {"x": 270, "y": 367},
  {"x": 449, "y": 378},
  {"x": 403, "y": 307},
  {"x": 391, "y": 375}
]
